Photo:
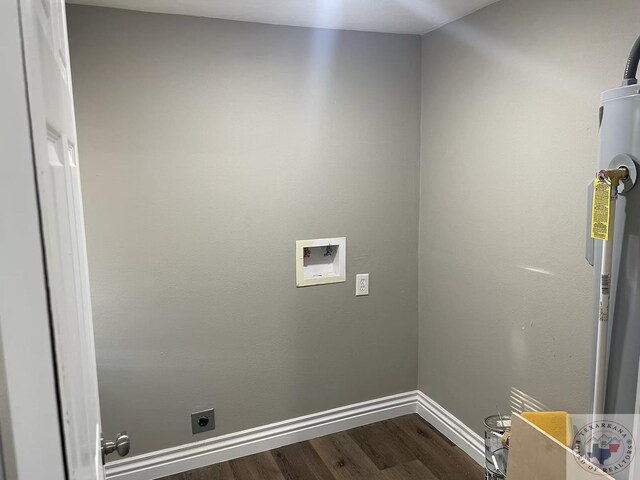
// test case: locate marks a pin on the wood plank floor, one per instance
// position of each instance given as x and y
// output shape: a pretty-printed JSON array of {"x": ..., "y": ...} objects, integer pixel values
[{"x": 403, "y": 448}]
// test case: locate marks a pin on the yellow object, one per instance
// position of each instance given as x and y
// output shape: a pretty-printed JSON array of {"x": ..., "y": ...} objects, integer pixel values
[
  {"x": 556, "y": 424},
  {"x": 600, "y": 210}
]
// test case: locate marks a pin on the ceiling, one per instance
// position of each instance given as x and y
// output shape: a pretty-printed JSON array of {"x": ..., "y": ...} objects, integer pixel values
[{"x": 392, "y": 16}]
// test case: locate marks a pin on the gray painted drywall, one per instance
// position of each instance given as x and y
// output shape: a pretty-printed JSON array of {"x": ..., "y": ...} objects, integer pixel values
[
  {"x": 207, "y": 147},
  {"x": 509, "y": 142}
]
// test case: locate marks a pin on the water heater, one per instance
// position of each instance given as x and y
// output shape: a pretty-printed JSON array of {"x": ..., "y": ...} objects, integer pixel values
[{"x": 620, "y": 147}]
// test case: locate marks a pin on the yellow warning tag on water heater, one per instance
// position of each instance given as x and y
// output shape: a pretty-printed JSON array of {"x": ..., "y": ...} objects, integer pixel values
[{"x": 600, "y": 210}]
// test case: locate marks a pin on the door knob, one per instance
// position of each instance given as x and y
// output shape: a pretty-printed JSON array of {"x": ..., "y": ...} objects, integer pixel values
[{"x": 122, "y": 445}]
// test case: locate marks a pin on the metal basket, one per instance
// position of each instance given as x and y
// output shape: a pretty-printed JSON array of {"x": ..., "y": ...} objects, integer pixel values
[{"x": 495, "y": 453}]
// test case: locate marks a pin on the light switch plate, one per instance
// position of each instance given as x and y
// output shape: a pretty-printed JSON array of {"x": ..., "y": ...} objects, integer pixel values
[{"x": 362, "y": 284}]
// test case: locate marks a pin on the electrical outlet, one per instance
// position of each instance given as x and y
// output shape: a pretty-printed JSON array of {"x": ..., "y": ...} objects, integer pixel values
[
  {"x": 203, "y": 421},
  {"x": 362, "y": 284}
]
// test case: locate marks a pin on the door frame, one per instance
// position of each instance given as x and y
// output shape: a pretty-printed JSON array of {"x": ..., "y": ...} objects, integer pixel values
[{"x": 30, "y": 420}]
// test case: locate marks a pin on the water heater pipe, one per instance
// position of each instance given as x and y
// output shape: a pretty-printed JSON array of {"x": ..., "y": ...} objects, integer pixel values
[
  {"x": 613, "y": 177},
  {"x": 631, "y": 70}
]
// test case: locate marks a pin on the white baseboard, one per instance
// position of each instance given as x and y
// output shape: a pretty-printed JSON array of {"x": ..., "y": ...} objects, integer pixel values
[
  {"x": 248, "y": 442},
  {"x": 446, "y": 423}
]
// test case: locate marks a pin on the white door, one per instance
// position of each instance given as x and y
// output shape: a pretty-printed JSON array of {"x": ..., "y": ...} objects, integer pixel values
[{"x": 56, "y": 160}]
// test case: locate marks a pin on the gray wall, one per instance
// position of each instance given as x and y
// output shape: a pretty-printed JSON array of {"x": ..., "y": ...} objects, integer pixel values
[
  {"x": 207, "y": 148},
  {"x": 509, "y": 142}
]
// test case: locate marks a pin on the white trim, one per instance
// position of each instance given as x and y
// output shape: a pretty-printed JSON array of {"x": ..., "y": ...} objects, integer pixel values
[
  {"x": 248, "y": 442},
  {"x": 29, "y": 422},
  {"x": 451, "y": 427}
]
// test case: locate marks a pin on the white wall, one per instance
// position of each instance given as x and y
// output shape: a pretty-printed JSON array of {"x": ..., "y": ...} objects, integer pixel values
[
  {"x": 207, "y": 148},
  {"x": 509, "y": 143}
]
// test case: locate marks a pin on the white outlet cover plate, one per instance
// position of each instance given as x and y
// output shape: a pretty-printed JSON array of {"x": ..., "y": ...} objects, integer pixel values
[
  {"x": 362, "y": 284},
  {"x": 334, "y": 271}
]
